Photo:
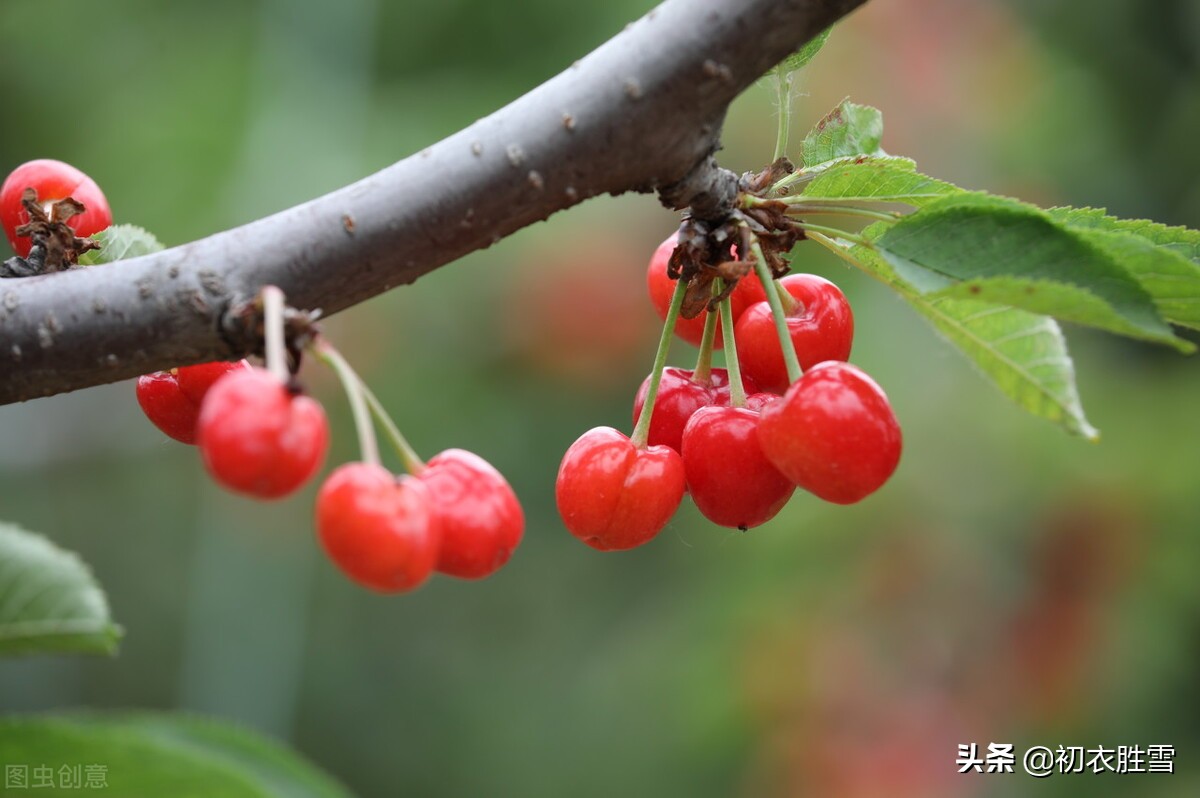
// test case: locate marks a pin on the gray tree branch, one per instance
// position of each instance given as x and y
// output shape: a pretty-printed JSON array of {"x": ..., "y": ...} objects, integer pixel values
[{"x": 641, "y": 113}]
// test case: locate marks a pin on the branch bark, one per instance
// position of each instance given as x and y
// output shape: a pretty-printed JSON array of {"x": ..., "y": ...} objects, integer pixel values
[{"x": 641, "y": 113}]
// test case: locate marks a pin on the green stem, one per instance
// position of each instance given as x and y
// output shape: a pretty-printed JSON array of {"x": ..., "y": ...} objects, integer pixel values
[
  {"x": 778, "y": 314},
  {"x": 703, "y": 370},
  {"x": 833, "y": 247},
  {"x": 834, "y": 232},
  {"x": 783, "y": 93},
  {"x": 737, "y": 391},
  {"x": 274, "y": 351},
  {"x": 367, "y": 445},
  {"x": 641, "y": 432},
  {"x": 841, "y": 210},
  {"x": 788, "y": 302},
  {"x": 788, "y": 180},
  {"x": 408, "y": 456}
]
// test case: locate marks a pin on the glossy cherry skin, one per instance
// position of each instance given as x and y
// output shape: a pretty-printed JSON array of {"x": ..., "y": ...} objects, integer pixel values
[
  {"x": 171, "y": 399},
  {"x": 482, "y": 521},
  {"x": 660, "y": 287},
  {"x": 833, "y": 433},
  {"x": 52, "y": 180},
  {"x": 729, "y": 478},
  {"x": 821, "y": 327},
  {"x": 680, "y": 395},
  {"x": 256, "y": 437},
  {"x": 382, "y": 531},
  {"x": 612, "y": 495}
]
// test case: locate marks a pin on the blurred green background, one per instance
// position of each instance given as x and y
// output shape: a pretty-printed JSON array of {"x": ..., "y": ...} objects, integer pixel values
[{"x": 1010, "y": 584}]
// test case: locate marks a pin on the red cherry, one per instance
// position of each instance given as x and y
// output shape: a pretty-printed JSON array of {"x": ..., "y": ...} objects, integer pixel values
[
  {"x": 171, "y": 399},
  {"x": 380, "y": 530},
  {"x": 748, "y": 291},
  {"x": 833, "y": 433},
  {"x": 680, "y": 395},
  {"x": 481, "y": 519},
  {"x": 256, "y": 437},
  {"x": 52, "y": 180},
  {"x": 612, "y": 495},
  {"x": 730, "y": 480},
  {"x": 821, "y": 327}
]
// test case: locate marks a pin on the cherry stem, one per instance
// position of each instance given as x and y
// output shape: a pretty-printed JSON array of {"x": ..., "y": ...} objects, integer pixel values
[
  {"x": 834, "y": 232},
  {"x": 783, "y": 94},
  {"x": 274, "y": 350},
  {"x": 777, "y": 313},
  {"x": 641, "y": 431},
  {"x": 408, "y": 456},
  {"x": 737, "y": 391},
  {"x": 367, "y": 445},
  {"x": 833, "y": 247},
  {"x": 790, "y": 303},
  {"x": 703, "y": 371},
  {"x": 800, "y": 205}
]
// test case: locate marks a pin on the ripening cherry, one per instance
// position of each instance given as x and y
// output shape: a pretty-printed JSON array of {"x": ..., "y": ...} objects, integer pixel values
[
  {"x": 381, "y": 530},
  {"x": 613, "y": 495},
  {"x": 679, "y": 395},
  {"x": 481, "y": 519},
  {"x": 53, "y": 181},
  {"x": 660, "y": 287},
  {"x": 171, "y": 399},
  {"x": 259, "y": 438},
  {"x": 728, "y": 476},
  {"x": 833, "y": 433},
  {"x": 820, "y": 324}
]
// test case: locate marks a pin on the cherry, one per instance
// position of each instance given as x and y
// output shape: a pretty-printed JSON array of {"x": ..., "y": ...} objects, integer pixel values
[
  {"x": 833, "y": 433},
  {"x": 679, "y": 395},
  {"x": 259, "y": 438},
  {"x": 730, "y": 480},
  {"x": 381, "y": 530},
  {"x": 171, "y": 399},
  {"x": 660, "y": 287},
  {"x": 821, "y": 327},
  {"x": 481, "y": 519},
  {"x": 613, "y": 495},
  {"x": 53, "y": 181}
]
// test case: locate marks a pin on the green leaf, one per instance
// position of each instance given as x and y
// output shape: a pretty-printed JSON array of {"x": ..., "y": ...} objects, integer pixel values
[
  {"x": 806, "y": 53},
  {"x": 149, "y": 754},
  {"x": 49, "y": 601},
  {"x": 1172, "y": 280},
  {"x": 1023, "y": 354},
  {"x": 1166, "y": 260},
  {"x": 998, "y": 250},
  {"x": 1182, "y": 240},
  {"x": 876, "y": 179},
  {"x": 120, "y": 242},
  {"x": 847, "y": 130}
]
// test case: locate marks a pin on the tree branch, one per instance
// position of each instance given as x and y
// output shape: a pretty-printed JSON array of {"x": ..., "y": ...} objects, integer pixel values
[{"x": 641, "y": 113}]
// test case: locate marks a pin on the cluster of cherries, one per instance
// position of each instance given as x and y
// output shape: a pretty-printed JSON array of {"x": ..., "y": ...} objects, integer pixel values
[
  {"x": 738, "y": 440},
  {"x": 787, "y": 412},
  {"x": 260, "y": 436}
]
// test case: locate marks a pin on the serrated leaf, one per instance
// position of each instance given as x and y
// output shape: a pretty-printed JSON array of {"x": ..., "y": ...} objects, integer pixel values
[
  {"x": 1023, "y": 354},
  {"x": 806, "y": 53},
  {"x": 876, "y": 179},
  {"x": 1182, "y": 240},
  {"x": 849, "y": 129},
  {"x": 976, "y": 246},
  {"x": 1172, "y": 280},
  {"x": 120, "y": 242},
  {"x": 150, "y": 754},
  {"x": 49, "y": 601},
  {"x": 1166, "y": 260}
]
